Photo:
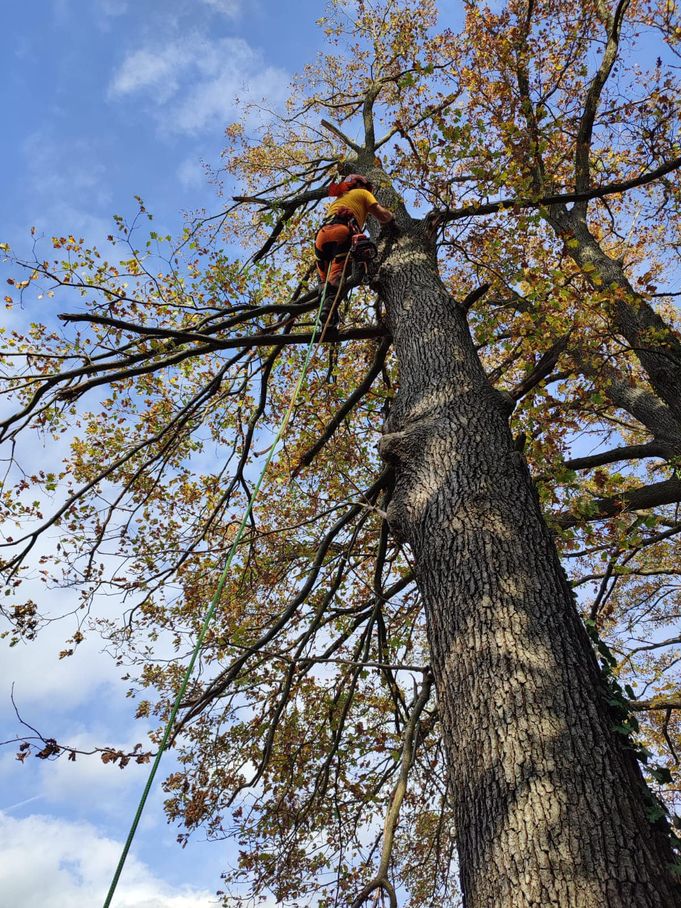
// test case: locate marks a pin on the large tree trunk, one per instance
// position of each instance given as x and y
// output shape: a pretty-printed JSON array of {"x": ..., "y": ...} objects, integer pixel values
[{"x": 550, "y": 806}]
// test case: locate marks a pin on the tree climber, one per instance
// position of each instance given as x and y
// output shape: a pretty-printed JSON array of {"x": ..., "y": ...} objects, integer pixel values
[{"x": 344, "y": 222}]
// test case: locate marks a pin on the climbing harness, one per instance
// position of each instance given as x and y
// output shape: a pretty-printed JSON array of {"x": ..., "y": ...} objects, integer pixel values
[
  {"x": 340, "y": 236},
  {"x": 316, "y": 338}
]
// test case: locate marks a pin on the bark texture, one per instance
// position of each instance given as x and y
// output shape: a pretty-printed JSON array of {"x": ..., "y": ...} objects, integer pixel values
[{"x": 550, "y": 805}]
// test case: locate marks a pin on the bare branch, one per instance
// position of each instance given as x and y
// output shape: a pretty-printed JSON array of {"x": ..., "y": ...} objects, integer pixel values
[
  {"x": 406, "y": 761},
  {"x": 432, "y": 111},
  {"x": 346, "y": 408},
  {"x": 217, "y": 687}
]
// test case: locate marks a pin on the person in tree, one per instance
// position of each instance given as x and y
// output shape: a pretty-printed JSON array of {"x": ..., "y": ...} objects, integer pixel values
[{"x": 346, "y": 216}]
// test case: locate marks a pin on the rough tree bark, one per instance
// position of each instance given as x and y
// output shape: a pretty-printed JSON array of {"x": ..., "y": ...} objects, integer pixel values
[{"x": 550, "y": 804}]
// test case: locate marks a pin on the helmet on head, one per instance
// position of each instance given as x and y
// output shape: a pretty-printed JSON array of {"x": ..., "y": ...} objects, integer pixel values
[
  {"x": 352, "y": 181},
  {"x": 355, "y": 180}
]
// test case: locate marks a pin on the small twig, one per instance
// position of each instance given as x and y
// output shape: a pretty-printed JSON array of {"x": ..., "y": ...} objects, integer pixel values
[{"x": 52, "y": 749}]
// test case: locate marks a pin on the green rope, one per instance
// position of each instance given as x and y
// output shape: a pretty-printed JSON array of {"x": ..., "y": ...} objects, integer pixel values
[{"x": 216, "y": 599}]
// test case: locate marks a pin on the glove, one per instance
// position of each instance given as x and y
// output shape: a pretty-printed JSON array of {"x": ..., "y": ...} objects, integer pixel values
[{"x": 390, "y": 231}]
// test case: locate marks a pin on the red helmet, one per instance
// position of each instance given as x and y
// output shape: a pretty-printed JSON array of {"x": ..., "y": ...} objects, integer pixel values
[
  {"x": 356, "y": 179},
  {"x": 352, "y": 181}
]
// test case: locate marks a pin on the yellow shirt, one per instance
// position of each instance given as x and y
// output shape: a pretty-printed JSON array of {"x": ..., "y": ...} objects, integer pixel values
[{"x": 359, "y": 201}]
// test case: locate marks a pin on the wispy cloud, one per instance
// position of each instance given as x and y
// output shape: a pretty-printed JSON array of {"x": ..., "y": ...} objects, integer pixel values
[
  {"x": 22, "y": 803},
  {"x": 112, "y": 8},
  {"x": 191, "y": 173},
  {"x": 229, "y": 8},
  {"x": 65, "y": 168},
  {"x": 152, "y": 70},
  {"x": 66, "y": 185},
  {"x": 198, "y": 83}
]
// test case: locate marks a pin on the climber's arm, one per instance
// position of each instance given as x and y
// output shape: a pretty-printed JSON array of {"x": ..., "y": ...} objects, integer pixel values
[{"x": 382, "y": 215}]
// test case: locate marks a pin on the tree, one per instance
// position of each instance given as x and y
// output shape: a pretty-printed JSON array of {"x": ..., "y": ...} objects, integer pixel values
[{"x": 505, "y": 302}]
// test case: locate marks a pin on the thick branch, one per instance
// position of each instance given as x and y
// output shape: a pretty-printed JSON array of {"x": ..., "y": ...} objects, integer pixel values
[
  {"x": 341, "y": 135},
  {"x": 626, "y": 452},
  {"x": 542, "y": 369},
  {"x": 651, "y": 496},
  {"x": 247, "y": 313},
  {"x": 596, "y": 192},
  {"x": 583, "y": 145},
  {"x": 471, "y": 298},
  {"x": 368, "y": 117},
  {"x": 523, "y": 78},
  {"x": 656, "y": 703}
]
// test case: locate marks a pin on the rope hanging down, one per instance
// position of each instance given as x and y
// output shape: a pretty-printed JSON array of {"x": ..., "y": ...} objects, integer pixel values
[{"x": 221, "y": 582}]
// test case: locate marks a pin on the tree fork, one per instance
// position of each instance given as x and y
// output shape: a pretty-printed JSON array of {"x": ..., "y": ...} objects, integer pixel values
[{"x": 551, "y": 806}]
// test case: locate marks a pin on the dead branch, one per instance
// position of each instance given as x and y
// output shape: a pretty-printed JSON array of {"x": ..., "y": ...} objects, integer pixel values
[{"x": 381, "y": 881}]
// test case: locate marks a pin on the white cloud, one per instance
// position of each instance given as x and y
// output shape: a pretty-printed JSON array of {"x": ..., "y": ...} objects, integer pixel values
[
  {"x": 197, "y": 83},
  {"x": 49, "y": 861},
  {"x": 156, "y": 70},
  {"x": 40, "y": 677}
]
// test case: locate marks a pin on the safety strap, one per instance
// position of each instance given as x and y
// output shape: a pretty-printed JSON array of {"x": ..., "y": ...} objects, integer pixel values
[{"x": 341, "y": 217}]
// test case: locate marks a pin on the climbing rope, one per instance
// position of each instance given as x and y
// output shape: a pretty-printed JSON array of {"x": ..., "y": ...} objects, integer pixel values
[{"x": 222, "y": 580}]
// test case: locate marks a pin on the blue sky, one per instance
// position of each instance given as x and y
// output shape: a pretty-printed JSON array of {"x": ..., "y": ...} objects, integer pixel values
[{"x": 105, "y": 99}]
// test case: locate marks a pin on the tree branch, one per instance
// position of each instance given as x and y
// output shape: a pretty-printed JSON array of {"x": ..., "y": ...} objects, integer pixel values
[
  {"x": 343, "y": 411},
  {"x": 542, "y": 369},
  {"x": 341, "y": 135},
  {"x": 471, "y": 298},
  {"x": 657, "y": 703},
  {"x": 406, "y": 761},
  {"x": 447, "y": 215},
  {"x": 219, "y": 685},
  {"x": 626, "y": 452},
  {"x": 654, "y": 495},
  {"x": 583, "y": 143},
  {"x": 368, "y": 117},
  {"x": 432, "y": 111}
]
